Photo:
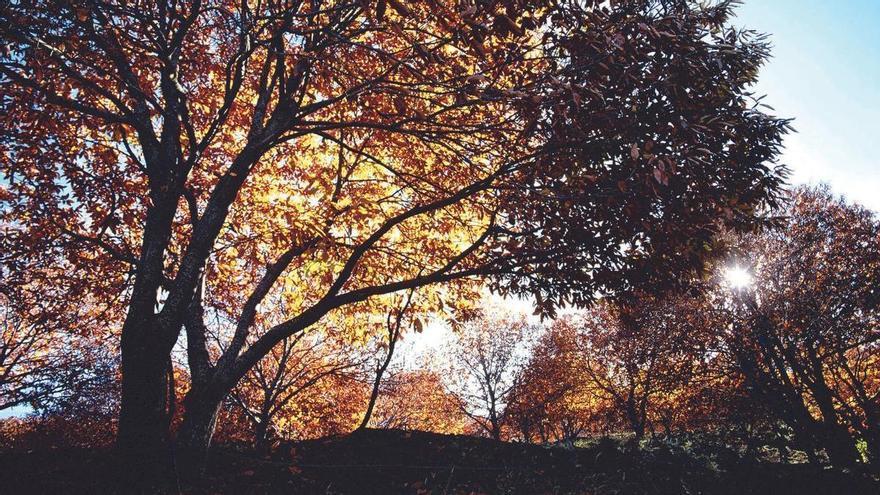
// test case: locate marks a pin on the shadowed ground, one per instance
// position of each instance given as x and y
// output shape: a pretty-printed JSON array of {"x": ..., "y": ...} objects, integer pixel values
[{"x": 392, "y": 462}]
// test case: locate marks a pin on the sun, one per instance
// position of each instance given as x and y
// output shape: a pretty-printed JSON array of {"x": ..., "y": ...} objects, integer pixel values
[{"x": 738, "y": 277}]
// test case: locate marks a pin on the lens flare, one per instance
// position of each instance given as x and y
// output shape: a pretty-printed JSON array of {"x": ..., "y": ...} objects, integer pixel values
[{"x": 738, "y": 277}]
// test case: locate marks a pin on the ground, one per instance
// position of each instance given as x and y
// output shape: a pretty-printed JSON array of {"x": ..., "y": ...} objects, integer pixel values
[{"x": 399, "y": 462}]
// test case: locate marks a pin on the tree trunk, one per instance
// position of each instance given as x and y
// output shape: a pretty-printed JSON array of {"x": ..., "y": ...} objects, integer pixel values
[
  {"x": 638, "y": 429},
  {"x": 393, "y": 334},
  {"x": 496, "y": 431},
  {"x": 839, "y": 446},
  {"x": 145, "y": 348},
  {"x": 196, "y": 431},
  {"x": 143, "y": 418},
  {"x": 636, "y": 422},
  {"x": 495, "y": 424},
  {"x": 261, "y": 434},
  {"x": 374, "y": 393}
]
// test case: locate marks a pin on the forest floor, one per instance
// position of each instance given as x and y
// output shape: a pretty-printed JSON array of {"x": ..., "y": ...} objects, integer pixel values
[{"x": 398, "y": 462}]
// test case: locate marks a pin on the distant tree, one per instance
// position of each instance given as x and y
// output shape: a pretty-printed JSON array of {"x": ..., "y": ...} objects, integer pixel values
[
  {"x": 418, "y": 400},
  {"x": 195, "y": 157},
  {"x": 483, "y": 361},
  {"x": 301, "y": 365},
  {"x": 636, "y": 354},
  {"x": 61, "y": 388},
  {"x": 550, "y": 401},
  {"x": 48, "y": 370},
  {"x": 24, "y": 356},
  {"x": 805, "y": 335}
]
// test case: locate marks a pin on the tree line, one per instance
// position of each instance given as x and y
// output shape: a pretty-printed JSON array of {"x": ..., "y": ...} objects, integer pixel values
[
  {"x": 783, "y": 367},
  {"x": 786, "y": 362}
]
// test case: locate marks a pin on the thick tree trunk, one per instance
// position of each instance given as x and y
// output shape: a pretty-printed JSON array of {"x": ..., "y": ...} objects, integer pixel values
[
  {"x": 636, "y": 421},
  {"x": 143, "y": 419},
  {"x": 638, "y": 429},
  {"x": 196, "y": 432},
  {"x": 143, "y": 438},
  {"x": 840, "y": 446}
]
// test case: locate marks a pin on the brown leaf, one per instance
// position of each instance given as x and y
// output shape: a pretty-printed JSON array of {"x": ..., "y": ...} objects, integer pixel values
[{"x": 661, "y": 177}]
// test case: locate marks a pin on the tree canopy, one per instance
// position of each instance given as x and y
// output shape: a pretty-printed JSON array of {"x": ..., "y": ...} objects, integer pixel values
[{"x": 177, "y": 168}]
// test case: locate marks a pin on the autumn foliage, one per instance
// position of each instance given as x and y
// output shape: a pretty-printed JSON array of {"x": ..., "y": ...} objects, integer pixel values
[{"x": 223, "y": 218}]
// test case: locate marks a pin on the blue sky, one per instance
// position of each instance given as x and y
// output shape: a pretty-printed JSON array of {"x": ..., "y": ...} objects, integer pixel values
[{"x": 825, "y": 73}]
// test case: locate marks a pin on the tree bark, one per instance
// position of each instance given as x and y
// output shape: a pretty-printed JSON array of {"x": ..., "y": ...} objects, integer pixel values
[
  {"x": 496, "y": 431},
  {"x": 145, "y": 349},
  {"x": 143, "y": 419},
  {"x": 196, "y": 432},
  {"x": 636, "y": 421},
  {"x": 495, "y": 424},
  {"x": 839, "y": 446},
  {"x": 261, "y": 435},
  {"x": 377, "y": 383}
]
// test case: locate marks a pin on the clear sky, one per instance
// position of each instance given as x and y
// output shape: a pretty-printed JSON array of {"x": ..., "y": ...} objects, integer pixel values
[{"x": 825, "y": 73}]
